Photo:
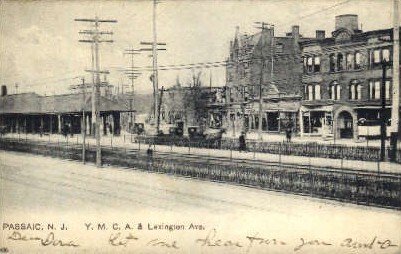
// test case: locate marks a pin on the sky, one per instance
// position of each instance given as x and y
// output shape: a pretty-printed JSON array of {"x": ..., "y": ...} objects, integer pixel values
[{"x": 39, "y": 48}]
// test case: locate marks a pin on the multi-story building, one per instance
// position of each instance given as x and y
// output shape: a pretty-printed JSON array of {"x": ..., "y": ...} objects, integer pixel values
[
  {"x": 342, "y": 78},
  {"x": 192, "y": 106},
  {"x": 264, "y": 65}
]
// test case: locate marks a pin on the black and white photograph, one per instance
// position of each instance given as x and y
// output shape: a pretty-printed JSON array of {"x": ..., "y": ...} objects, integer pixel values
[{"x": 200, "y": 126}]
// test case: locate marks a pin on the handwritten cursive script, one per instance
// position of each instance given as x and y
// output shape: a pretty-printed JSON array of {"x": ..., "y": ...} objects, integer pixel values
[{"x": 49, "y": 240}]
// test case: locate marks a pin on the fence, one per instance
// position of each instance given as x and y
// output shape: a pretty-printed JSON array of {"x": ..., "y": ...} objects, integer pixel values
[
  {"x": 365, "y": 188},
  {"x": 310, "y": 149}
]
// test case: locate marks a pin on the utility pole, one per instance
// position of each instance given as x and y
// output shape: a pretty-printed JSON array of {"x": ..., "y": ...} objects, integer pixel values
[
  {"x": 382, "y": 112},
  {"x": 262, "y": 57},
  {"x": 395, "y": 121},
  {"x": 95, "y": 40},
  {"x": 154, "y": 49},
  {"x": 82, "y": 87},
  {"x": 132, "y": 75},
  {"x": 83, "y": 119}
]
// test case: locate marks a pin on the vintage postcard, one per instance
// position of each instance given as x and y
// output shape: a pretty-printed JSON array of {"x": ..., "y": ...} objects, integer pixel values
[{"x": 200, "y": 126}]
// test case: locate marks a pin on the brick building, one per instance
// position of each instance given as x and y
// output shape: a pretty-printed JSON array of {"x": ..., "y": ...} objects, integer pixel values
[
  {"x": 342, "y": 78},
  {"x": 267, "y": 61}
]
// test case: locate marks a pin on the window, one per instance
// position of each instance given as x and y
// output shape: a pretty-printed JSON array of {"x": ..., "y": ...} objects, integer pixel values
[
  {"x": 310, "y": 92},
  {"x": 279, "y": 48},
  {"x": 317, "y": 64},
  {"x": 318, "y": 95},
  {"x": 358, "y": 60},
  {"x": 310, "y": 64},
  {"x": 340, "y": 62},
  {"x": 376, "y": 56},
  {"x": 388, "y": 84},
  {"x": 359, "y": 91},
  {"x": 335, "y": 91},
  {"x": 350, "y": 61},
  {"x": 379, "y": 55},
  {"x": 332, "y": 63},
  {"x": 355, "y": 90},
  {"x": 374, "y": 90},
  {"x": 338, "y": 88},
  {"x": 313, "y": 92},
  {"x": 386, "y": 55}
]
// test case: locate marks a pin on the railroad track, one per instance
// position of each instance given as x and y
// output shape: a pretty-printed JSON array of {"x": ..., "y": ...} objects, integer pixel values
[{"x": 220, "y": 160}]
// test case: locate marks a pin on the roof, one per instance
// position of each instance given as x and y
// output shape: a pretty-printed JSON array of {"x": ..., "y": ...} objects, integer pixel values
[
  {"x": 356, "y": 37},
  {"x": 32, "y": 103}
]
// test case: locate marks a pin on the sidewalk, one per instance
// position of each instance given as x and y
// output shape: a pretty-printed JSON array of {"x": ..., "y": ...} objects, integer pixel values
[
  {"x": 124, "y": 141},
  {"x": 276, "y": 137}
]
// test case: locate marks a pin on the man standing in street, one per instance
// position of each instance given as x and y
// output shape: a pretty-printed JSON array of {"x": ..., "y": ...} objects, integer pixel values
[{"x": 242, "y": 143}]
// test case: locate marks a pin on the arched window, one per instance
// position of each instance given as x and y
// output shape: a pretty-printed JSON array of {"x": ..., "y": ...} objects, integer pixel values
[
  {"x": 350, "y": 61},
  {"x": 340, "y": 62},
  {"x": 332, "y": 63},
  {"x": 358, "y": 60},
  {"x": 386, "y": 55},
  {"x": 334, "y": 91}
]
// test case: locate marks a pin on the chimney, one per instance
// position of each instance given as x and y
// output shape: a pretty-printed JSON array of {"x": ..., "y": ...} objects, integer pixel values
[
  {"x": 348, "y": 21},
  {"x": 320, "y": 34},
  {"x": 237, "y": 31},
  {"x": 295, "y": 31},
  {"x": 3, "y": 90}
]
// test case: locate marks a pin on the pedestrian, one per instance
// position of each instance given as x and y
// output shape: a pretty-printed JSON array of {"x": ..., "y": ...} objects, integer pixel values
[
  {"x": 242, "y": 143},
  {"x": 149, "y": 154},
  {"x": 288, "y": 133}
]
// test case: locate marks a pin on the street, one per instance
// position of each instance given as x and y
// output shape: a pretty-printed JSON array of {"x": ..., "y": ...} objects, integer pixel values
[{"x": 67, "y": 191}]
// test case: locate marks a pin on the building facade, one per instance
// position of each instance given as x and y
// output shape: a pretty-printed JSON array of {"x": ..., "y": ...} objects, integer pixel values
[
  {"x": 193, "y": 106},
  {"x": 36, "y": 114},
  {"x": 342, "y": 80},
  {"x": 267, "y": 66}
]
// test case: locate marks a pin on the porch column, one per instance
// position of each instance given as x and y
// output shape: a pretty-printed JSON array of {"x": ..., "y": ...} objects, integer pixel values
[
  {"x": 18, "y": 125},
  {"x": 51, "y": 124},
  {"x": 88, "y": 125},
  {"x": 25, "y": 125},
  {"x": 59, "y": 123},
  {"x": 33, "y": 125},
  {"x": 301, "y": 123},
  {"x": 279, "y": 121}
]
